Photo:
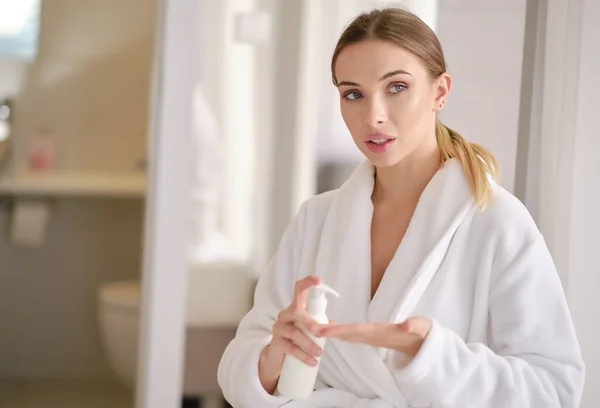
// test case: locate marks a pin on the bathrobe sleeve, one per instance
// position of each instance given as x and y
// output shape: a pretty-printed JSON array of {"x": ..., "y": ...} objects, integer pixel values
[
  {"x": 238, "y": 368},
  {"x": 533, "y": 359}
]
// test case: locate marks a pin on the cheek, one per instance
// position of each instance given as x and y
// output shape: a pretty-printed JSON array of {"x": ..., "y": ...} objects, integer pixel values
[
  {"x": 408, "y": 109},
  {"x": 352, "y": 116}
]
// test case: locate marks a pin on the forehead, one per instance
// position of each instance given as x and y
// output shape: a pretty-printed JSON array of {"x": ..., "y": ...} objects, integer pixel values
[{"x": 369, "y": 60}]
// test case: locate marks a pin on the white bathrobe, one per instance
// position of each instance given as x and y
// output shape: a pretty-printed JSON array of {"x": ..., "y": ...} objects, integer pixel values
[{"x": 501, "y": 335}]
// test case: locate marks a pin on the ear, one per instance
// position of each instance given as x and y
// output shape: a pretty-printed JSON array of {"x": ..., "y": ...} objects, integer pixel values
[{"x": 442, "y": 86}]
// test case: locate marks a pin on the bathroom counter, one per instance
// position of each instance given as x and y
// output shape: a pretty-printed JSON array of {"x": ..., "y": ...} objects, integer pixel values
[
  {"x": 219, "y": 294},
  {"x": 75, "y": 184}
]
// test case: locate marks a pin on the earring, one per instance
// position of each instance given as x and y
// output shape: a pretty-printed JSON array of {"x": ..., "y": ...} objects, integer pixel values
[{"x": 442, "y": 104}]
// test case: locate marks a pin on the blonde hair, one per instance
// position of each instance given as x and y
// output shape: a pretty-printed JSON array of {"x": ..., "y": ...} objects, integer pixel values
[{"x": 408, "y": 31}]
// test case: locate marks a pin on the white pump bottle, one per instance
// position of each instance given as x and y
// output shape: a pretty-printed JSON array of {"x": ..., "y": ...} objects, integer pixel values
[{"x": 297, "y": 380}]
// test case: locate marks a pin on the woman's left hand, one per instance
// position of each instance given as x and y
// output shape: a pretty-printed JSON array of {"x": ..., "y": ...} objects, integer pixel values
[{"x": 406, "y": 337}]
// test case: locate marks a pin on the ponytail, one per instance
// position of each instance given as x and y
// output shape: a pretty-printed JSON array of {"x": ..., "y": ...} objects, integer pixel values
[{"x": 478, "y": 164}]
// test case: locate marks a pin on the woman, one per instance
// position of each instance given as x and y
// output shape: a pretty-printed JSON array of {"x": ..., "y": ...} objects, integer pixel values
[{"x": 449, "y": 295}]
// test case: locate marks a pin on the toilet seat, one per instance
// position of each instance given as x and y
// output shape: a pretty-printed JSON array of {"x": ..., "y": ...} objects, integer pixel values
[
  {"x": 121, "y": 296},
  {"x": 119, "y": 315}
]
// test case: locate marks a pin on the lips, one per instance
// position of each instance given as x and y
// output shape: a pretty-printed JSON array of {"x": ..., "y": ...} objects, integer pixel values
[
  {"x": 380, "y": 145},
  {"x": 379, "y": 142}
]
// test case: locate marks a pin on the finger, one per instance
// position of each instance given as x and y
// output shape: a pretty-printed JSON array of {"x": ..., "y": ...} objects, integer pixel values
[
  {"x": 374, "y": 334},
  {"x": 301, "y": 289},
  {"x": 317, "y": 327},
  {"x": 289, "y": 316},
  {"x": 356, "y": 332},
  {"x": 416, "y": 325},
  {"x": 300, "y": 339},
  {"x": 404, "y": 327},
  {"x": 304, "y": 319},
  {"x": 300, "y": 354},
  {"x": 278, "y": 327},
  {"x": 285, "y": 316}
]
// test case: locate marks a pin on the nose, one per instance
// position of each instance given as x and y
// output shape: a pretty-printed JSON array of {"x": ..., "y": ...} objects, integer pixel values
[{"x": 377, "y": 112}]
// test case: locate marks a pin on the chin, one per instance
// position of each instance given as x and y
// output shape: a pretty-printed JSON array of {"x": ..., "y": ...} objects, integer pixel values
[{"x": 383, "y": 160}]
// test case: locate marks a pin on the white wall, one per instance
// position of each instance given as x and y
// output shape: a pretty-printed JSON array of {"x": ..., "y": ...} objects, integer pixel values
[
  {"x": 483, "y": 44},
  {"x": 89, "y": 84},
  {"x": 584, "y": 276}
]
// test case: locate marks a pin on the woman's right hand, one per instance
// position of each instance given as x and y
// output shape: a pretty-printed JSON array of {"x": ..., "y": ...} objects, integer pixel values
[{"x": 289, "y": 339}]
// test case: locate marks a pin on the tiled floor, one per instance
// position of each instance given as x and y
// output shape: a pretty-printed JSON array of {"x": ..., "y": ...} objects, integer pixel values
[
  {"x": 64, "y": 394},
  {"x": 77, "y": 394}
]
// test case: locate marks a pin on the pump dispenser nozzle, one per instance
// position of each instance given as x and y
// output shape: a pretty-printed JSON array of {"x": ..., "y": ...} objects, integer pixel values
[{"x": 317, "y": 301}]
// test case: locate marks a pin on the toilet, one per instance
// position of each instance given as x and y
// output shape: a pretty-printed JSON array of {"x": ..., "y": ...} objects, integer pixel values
[
  {"x": 226, "y": 290},
  {"x": 119, "y": 315}
]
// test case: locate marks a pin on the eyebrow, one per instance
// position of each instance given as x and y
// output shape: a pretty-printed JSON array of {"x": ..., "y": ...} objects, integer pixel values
[{"x": 386, "y": 76}]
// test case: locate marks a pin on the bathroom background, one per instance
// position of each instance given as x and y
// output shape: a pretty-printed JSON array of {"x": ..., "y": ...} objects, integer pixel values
[
  {"x": 82, "y": 98},
  {"x": 268, "y": 130}
]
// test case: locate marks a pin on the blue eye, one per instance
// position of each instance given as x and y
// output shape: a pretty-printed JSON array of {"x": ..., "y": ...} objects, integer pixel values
[
  {"x": 397, "y": 88},
  {"x": 353, "y": 95}
]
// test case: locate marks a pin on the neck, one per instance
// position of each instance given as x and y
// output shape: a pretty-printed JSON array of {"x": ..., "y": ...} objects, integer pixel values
[{"x": 405, "y": 181}]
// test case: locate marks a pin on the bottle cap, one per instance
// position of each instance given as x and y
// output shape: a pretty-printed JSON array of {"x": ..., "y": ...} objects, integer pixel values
[{"x": 317, "y": 301}]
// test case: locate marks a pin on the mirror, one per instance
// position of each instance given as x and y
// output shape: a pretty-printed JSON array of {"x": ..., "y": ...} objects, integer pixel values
[
  {"x": 19, "y": 29},
  {"x": 19, "y": 33}
]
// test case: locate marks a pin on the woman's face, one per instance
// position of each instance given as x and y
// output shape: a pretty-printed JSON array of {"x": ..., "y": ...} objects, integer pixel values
[{"x": 388, "y": 100}]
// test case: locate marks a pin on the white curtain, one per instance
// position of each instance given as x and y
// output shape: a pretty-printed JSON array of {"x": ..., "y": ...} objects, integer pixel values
[
  {"x": 547, "y": 147},
  {"x": 559, "y": 176}
]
